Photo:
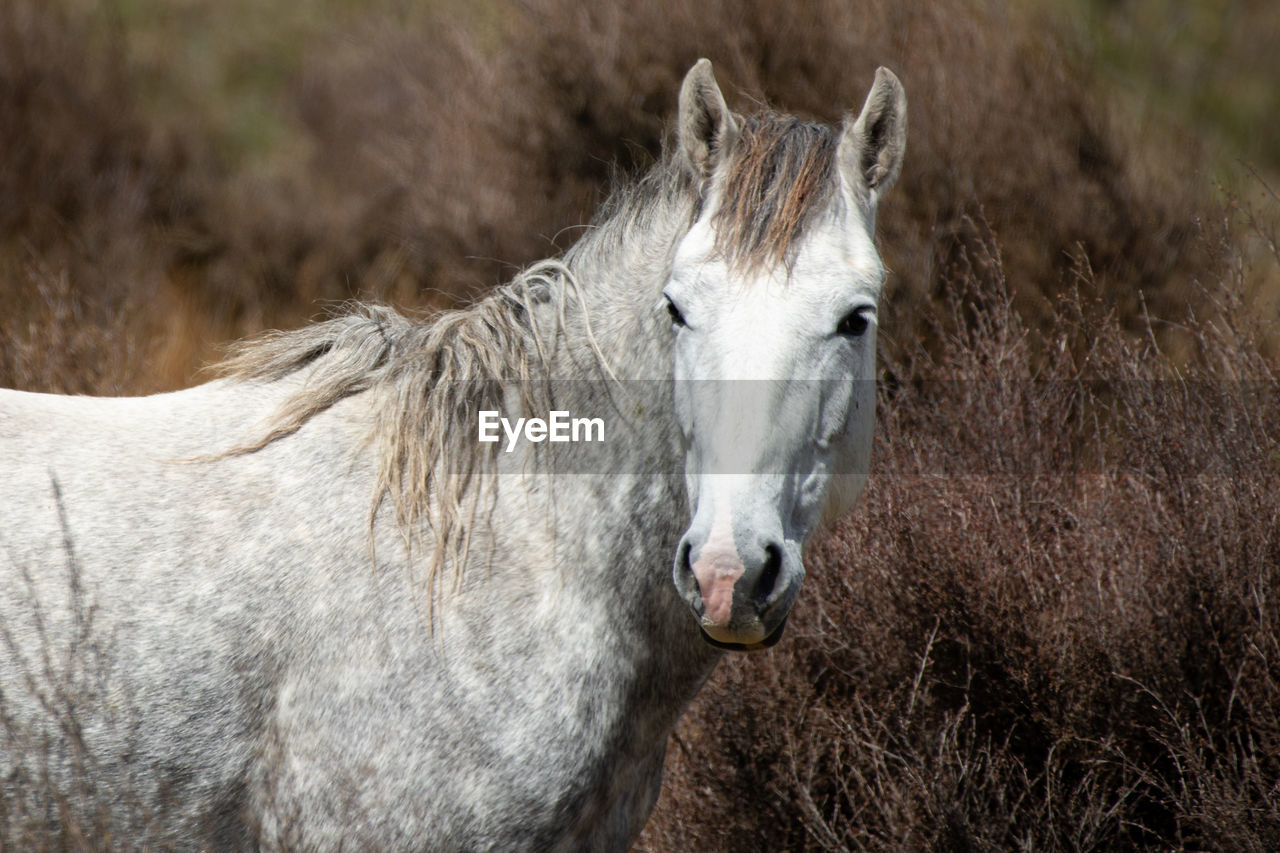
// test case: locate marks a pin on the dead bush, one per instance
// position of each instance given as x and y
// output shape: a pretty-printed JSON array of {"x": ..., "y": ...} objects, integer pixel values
[
  {"x": 1049, "y": 626},
  {"x": 484, "y": 147}
]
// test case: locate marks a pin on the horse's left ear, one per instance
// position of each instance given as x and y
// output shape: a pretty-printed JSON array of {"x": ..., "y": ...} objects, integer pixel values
[
  {"x": 707, "y": 130},
  {"x": 871, "y": 149}
]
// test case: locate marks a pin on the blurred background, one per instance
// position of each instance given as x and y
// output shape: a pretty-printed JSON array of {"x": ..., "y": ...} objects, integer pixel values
[
  {"x": 177, "y": 173},
  {"x": 1051, "y": 625}
]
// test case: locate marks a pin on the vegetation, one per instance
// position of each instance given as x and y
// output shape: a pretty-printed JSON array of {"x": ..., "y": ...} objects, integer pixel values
[{"x": 1050, "y": 625}]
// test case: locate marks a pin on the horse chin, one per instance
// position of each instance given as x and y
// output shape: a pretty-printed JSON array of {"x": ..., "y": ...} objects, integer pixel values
[{"x": 768, "y": 641}]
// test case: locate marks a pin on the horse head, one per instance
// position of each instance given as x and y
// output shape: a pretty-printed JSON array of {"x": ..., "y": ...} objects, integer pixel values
[{"x": 772, "y": 297}]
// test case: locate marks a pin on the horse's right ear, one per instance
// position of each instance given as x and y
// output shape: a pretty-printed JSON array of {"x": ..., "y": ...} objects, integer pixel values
[{"x": 707, "y": 130}]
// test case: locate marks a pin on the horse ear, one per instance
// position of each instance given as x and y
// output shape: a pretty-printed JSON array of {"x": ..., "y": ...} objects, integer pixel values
[
  {"x": 871, "y": 149},
  {"x": 707, "y": 130}
]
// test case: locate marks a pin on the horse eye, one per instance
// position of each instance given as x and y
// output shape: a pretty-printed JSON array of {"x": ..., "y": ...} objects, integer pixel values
[
  {"x": 854, "y": 324},
  {"x": 676, "y": 317}
]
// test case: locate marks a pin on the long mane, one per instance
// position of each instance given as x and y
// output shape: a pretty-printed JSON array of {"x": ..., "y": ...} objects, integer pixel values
[
  {"x": 427, "y": 382},
  {"x": 430, "y": 379}
]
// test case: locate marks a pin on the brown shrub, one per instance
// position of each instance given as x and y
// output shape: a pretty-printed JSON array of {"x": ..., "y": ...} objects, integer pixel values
[
  {"x": 1049, "y": 626},
  {"x": 84, "y": 189},
  {"x": 429, "y": 158},
  {"x": 72, "y": 154},
  {"x": 484, "y": 148}
]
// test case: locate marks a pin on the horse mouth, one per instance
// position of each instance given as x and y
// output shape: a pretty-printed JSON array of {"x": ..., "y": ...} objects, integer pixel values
[{"x": 773, "y": 637}]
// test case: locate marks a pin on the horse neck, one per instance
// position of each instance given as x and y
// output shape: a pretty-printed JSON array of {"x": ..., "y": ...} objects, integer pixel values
[
  {"x": 622, "y": 266},
  {"x": 635, "y": 512}
]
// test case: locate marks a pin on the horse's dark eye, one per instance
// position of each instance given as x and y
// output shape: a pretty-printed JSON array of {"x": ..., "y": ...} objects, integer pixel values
[
  {"x": 854, "y": 324},
  {"x": 676, "y": 316}
]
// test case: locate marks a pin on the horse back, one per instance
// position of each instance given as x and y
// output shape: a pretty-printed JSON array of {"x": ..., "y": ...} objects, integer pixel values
[{"x": 146, "y": 581}]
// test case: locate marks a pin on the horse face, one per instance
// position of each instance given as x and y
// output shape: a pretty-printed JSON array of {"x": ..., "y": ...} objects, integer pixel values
[{"x": 774, "y": 367}]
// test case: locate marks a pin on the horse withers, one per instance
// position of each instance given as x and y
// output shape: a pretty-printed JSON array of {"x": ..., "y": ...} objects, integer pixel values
[{"x": 303, "y": 606}]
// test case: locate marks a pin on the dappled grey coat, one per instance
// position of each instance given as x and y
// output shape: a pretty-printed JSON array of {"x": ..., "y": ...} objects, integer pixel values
[{"x": 302, "y": 607}]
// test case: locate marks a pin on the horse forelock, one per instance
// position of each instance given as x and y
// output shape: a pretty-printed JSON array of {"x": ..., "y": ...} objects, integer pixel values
[{"x": 781, "y": 172}]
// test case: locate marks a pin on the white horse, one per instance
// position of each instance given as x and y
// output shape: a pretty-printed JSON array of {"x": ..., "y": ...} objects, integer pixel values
[{"x": 304, "y": 606}]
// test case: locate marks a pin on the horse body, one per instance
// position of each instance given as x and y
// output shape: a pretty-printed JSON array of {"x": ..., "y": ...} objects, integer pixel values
[
  {"x": 249, "y": 656},
  {"x": 216, "y": 616}
]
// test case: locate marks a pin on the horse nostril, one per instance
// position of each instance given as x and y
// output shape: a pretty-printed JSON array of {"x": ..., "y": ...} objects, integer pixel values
[
  {"x": 768, "y": 573},
  {"x": 686, "y": 580},
  {"x": 682, "y": 559}
]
